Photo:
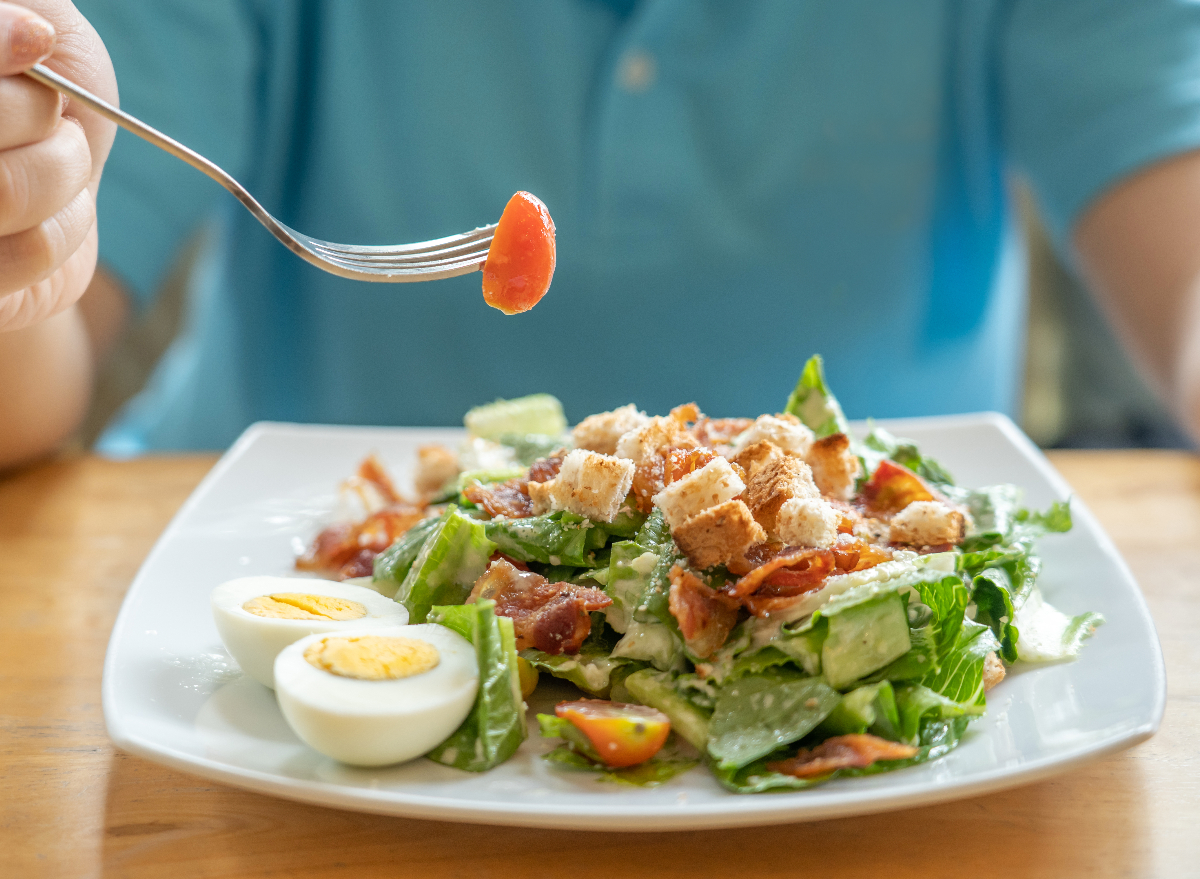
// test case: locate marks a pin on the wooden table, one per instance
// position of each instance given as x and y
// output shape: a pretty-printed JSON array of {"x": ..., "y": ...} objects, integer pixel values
[{"x": 73, "y": 532}]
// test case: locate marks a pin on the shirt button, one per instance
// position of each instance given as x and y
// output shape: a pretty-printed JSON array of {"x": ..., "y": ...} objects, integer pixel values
[{"x": 637, "y": 71}]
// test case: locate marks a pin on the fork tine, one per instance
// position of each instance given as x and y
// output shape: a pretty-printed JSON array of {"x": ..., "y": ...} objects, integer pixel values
[
  {"x": 419, "y": 249},
  {"x": 391, "y": 257},
  {"x": 443, "y": 268}
]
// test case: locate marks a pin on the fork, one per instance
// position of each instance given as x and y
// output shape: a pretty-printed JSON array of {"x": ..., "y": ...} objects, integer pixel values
[{"x": 423, "y": 261}]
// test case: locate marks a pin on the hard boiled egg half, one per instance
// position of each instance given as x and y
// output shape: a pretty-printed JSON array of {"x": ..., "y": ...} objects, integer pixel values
[
  {"x": 259, "y": 616},
  {"x": 371, "y": 697}
]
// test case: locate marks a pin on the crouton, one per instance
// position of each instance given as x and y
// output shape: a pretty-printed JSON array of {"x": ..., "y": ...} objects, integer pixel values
[
  {"x": 714, "y": 483},
  {"x": 993, "y": 670},
  {"x": 754, "y": 456},
  {"x": 435, "y": 467},
  {"x": 807, "y": 521},
  {"x": 785, "y": 431},
  {"x": 834, "y": 467},
  {"x": 716, "y": 535},
  {"x": 658, "y": 433},
  {"x": 780, "y": 480},
  {"x": 590, "y": 485},
  {"x": 928, "y": 523},
  {"x": 542, "y": 495},
  {"x": 599, "y": 433}
]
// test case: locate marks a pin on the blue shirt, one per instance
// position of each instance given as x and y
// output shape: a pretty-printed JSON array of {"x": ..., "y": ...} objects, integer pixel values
[{"x": 734, "y": 185}]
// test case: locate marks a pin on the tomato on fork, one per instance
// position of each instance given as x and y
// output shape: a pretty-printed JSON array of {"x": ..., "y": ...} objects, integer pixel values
[{"x": 520, "y": 261}]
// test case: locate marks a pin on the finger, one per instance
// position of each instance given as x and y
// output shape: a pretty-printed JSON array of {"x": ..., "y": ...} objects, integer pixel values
[
  {"x": 30, "y": 112},
  {"x": 39, "y": 180},
  {"x": 79, "y": 55},
  {"x": 51, "y": 295},
  {"x": 25, "y": 39},
  {"x": 35, "y": 254}
]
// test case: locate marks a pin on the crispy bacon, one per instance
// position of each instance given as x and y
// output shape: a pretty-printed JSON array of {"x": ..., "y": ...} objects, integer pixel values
[
  {"x": 774, "y": 577},
  {"x": 705, "y": 616},
  {"x": 371, "y": 471},
  {"x": 854, "y": 751},
  {"x": 511, "y": 499},
  {"x": 545, "y": 469},
  {"x": 553, "y": 617},
  {"x": 348, "y": 550},
  {"x": 648, "y": 480}
]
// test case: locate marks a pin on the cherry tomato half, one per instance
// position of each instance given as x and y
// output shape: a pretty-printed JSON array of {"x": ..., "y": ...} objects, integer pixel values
[
  {"x": 623, "y": 735},
  {"x": 520, "y": 261}
]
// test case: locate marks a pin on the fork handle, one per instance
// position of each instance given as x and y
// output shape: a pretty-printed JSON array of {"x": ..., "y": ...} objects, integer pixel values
[{"x": 48, "y": 77}]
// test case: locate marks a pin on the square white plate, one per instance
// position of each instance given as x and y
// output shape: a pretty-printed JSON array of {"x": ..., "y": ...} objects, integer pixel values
[{"x": 173, "y": 695}]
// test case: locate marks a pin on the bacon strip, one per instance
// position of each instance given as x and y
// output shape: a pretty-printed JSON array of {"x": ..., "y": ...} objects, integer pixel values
[
  {"x": 511, "y": 499},
  {"x": 348, "y": 550},
  {"x": 775, "y": 577},
  {"x": 553, "y": 617},
  {"x": 854, "y": 751},
  {"x": 705, "y": 616}
]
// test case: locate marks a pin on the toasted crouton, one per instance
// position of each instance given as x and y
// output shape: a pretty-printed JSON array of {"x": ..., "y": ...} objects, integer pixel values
[
  {"x": 754, "y": 456},
  {"x": 658, "y": 433},
  {"x": 785, "y": 431},
  {"x": 993, "y": 670},
  {"x": 714, "y": 483},
  {"x": 780, "y": 480},
  {"x": 807, "y": 521},
  {"x": 435, "y": 467},
  {"x": 716, "y": 535},
  {"x": 928, "y": 523},
  {"x": 599, "y": 433},
  {"x": 542, "y": 495},
  {"x": 590, "y": 485},
  {"x": 834, "y": 467}
]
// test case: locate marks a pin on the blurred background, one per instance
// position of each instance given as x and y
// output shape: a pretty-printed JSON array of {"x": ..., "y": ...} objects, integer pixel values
[{"x": 1080, "y": 389}]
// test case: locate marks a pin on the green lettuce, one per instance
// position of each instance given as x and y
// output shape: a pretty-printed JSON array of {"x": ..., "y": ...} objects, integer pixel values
[
  {"x": 814, "y": 404},
  {"x": 756, "y": 714},
  {"x": 452, "y": 558},
  {"x": 495, "y": 727},
  {"x": 392, "y": 565}
]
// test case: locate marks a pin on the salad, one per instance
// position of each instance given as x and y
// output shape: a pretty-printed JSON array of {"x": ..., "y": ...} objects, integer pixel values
[{"x": 772, "y": 597}]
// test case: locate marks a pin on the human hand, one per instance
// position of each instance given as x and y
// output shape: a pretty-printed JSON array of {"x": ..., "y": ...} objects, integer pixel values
[{"x": 51, "y": 157}]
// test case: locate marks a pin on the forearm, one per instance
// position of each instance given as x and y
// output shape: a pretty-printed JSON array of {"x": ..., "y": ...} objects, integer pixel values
[
  {"x": 1139, "y": 251},
  {"x": 47, "y": 371}
]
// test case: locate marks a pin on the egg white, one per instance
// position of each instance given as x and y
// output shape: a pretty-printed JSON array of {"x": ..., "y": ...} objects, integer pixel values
[
  {"x": 375, "y": 723},
  {"x": 255, "y": 641}
]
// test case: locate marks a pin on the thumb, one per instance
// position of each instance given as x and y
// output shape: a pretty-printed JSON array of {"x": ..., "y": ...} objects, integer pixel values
[{"x": 25, "y": 39}]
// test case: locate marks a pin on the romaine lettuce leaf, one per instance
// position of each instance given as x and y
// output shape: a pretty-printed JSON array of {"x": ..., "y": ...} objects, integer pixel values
[
  {"x": 392, "y": 565},
  {"x": 991, "y": 592},
  {"x": 960, "y": 676},
  {"x": 917, "y": 702},
  {"x": 558, "y": 538},
  {"x": 757, "y": 714},
  {"x": 814, "y": 404},
  {"x": 1048, "y": 635},
  {"x": 452, "y": 558},
  {"x": 495, "y": 727}
]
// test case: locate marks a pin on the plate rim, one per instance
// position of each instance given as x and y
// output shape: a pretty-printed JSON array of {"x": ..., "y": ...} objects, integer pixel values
[{"x": 777, "y": 808}]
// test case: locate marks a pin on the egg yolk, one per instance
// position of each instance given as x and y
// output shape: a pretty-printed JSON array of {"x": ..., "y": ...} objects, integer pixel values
[
  {"x": 372, "y": 657},
  {"x": 300, "y": 606}
]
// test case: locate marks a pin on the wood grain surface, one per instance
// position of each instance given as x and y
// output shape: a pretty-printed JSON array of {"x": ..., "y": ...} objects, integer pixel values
[{"x": 73, "y": 533}]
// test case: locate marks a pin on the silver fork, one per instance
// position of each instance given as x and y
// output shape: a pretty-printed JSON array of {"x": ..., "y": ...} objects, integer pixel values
[{"x": 423, "y": 261}]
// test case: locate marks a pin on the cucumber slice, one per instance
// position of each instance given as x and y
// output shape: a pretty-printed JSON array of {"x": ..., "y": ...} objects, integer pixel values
[{"x": 864, "y": 638}]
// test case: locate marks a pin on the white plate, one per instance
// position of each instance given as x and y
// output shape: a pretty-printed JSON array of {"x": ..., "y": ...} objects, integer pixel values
[{"x": 173, "y": 695}]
